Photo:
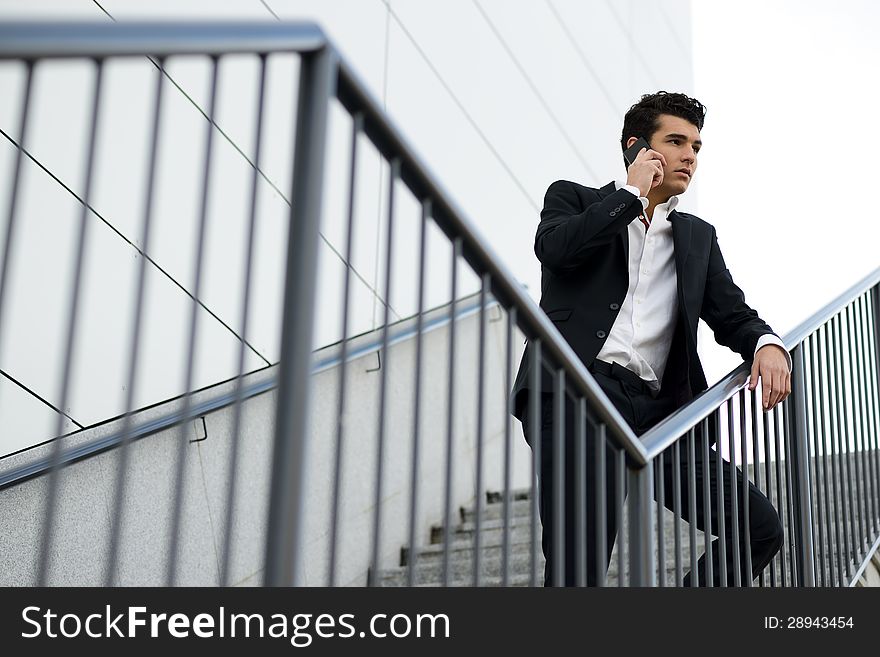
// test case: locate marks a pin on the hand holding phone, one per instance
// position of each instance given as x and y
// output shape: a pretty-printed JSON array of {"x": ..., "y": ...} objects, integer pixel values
[
  {"x": 632, "y": 152},
  {"x": 645, "y": 172}
]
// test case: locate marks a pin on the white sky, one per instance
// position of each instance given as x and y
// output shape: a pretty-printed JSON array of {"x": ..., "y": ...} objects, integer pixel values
[{"x": 787, "y": 174}]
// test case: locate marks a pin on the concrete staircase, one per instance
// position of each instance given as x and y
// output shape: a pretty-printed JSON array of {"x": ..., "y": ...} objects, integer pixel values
[{"x": 429, "y": 559}]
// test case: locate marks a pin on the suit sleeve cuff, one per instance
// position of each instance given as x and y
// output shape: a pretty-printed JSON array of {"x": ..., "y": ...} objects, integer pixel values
[
  {"x": 770, "y": 338},
  {"x": 632, "y": 189}
]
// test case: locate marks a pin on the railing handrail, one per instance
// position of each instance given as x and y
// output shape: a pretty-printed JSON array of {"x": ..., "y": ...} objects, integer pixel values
[
  {"x": 30, "y": 39},
  {"x": 673, "y": 427}
]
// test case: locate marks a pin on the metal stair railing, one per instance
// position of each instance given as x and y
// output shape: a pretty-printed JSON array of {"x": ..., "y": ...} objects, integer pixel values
[{"x": 824, "y": 459}]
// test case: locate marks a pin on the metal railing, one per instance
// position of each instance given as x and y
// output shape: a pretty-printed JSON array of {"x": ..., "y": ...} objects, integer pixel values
[
  {"x": 819, "y": 455},
  {"x": 828, "y": 425}
]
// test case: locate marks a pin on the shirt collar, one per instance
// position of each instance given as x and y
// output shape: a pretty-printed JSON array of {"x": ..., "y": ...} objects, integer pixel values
[{"x": 669, "y": 206}]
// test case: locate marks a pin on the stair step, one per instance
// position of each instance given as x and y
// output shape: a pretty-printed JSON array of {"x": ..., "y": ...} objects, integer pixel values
[
  {"x": 495, "y": 510},
  {"x": 521, "y": 533}
]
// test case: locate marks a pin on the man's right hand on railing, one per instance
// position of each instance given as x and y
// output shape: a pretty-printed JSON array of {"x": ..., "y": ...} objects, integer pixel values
[{"x": 771, "y": 365}]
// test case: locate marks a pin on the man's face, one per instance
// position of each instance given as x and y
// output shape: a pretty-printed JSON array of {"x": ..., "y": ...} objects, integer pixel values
[{"x": 679, "y": 141}]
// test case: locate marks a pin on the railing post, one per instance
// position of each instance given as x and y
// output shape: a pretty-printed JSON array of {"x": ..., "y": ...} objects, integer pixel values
[
  {"x": 875, "y": 294},
  {"x": 317, "y": 82},
  {"x": 800, "y": 465},
  {"x": 641, "y": 526}
]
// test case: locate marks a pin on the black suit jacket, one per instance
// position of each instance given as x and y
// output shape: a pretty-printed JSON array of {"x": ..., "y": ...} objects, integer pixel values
[{"x": 583, "y": 248}]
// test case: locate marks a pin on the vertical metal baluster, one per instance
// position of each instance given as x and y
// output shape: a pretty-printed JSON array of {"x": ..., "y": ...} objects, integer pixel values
[
  {"x": 734, "y": 496},
  {"x": 383, "y": 379},
  {"x": 870, "y": 407},
  {"x": 534, "y": 416},
  {"x": 134, "y": 349},
  {"x": 182, "y": 440},
  {"x": 797, "y": 427},
  {"x": 811, "y": 462},
  {"x": 707, "y": 504},
  {"x": 412, "y": 553},
  {"x": 317, "y": 82},
  {"x": 757, "y": 409},
  {"x": 13, "y": 193},
  {"x": 768, "y": 479},
  {"x": 676, "y": 504},
  {"x": 856, "y": 417},
  {"x": 486, "y": 284},
  {"x": 508, "y": 447},
  {"x": 601, "y": 511},
  {"x": 821, "y": 485},
  {"x": 580, "y": 487},
  {"x": 868, "y": 480},
  {"x": 839, "y": 513},
  {"x": 719, "y": 479},
  {"x": 744, "y": 447},
  {"x": 661, "y": 519},
  {"x": 871, "y": 298},
  {"x": 557, "y": 545},
  {"x": 450, "y": 414},
  {"x": 70, "y": 341},
  {"x": 245, "y": 316},
  {"x": 357, "y": 128},
  {"x": 779, "y": 486},
  {"x": 822, "y": 432},
  {"x": 790, "y": 464},
  {"x": 692, "y": 507},
  {"x": 619, "y": 494},
  {"x": 873, "y": 308},
  {"x": 640, "y": 527},
  {"x": 846, "y": 468}
]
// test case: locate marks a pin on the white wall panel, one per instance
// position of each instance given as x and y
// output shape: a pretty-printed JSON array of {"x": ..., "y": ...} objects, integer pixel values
[
  {"x": 26, "y": 421},
  {"x": 461, "y": 154},
  {"x": 588, "y": 116},
  {"x": 603, "y": 44},
  {"x": 48, "y": 10}
]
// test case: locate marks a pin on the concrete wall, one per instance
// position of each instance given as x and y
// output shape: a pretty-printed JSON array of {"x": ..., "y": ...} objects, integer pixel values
[{"x": 88, "y": 492}]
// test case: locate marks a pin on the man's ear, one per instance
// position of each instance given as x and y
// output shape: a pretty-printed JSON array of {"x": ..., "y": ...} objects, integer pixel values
[{"x": 631, "y": 141}]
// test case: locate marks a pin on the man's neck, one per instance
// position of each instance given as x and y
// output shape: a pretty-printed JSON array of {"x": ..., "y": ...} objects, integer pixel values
[{"x": 654, "y": 200}]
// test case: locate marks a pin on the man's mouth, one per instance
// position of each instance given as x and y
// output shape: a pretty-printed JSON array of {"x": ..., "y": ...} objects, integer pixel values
[{"x": 684, "y": 171}]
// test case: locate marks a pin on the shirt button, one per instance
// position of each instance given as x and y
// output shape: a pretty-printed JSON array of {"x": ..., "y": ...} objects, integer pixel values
[
  {"x": 600, "y": 334},
  {"x": 638, "y": 300},
  {"x": 638, "y": 323},
  {"x": 614, "y": 306},
  {"x": 645, "y": 271}
]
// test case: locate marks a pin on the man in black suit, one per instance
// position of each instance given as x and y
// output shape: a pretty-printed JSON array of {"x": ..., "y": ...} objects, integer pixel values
[{"x": 625, "y": 278}]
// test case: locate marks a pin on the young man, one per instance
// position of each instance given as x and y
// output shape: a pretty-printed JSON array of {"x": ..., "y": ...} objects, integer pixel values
[{"x": 625, "y": 277}]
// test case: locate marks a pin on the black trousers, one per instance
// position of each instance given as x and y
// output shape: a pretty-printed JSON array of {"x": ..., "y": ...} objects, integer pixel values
[{"x": 641, "y": 410}]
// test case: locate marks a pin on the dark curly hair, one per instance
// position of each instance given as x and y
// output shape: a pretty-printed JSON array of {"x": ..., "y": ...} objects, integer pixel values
[{"x": 641, "y": 118}]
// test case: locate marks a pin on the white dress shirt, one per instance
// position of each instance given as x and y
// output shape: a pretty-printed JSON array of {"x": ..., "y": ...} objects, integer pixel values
[{"x": 641, "y": 335}]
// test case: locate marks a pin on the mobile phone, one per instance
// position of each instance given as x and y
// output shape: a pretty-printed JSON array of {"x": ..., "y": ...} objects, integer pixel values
[{"x": 630, "y": 153}]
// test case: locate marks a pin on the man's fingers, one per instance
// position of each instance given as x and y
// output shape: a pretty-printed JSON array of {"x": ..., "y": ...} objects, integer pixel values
[
  {"x": 766, "y": 388},
  {"x": 775, "y": 391},
  {"x": 656, "y": 155},
  {"x": 753, "y": 377}
]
